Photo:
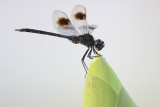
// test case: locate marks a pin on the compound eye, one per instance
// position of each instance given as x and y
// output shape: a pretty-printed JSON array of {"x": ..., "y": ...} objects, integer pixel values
[{"x": 99, "y": 44}]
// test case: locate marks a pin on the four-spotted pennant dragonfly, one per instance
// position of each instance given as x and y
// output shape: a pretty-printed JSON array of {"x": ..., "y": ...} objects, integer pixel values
[{"x": 77, "y": 30}]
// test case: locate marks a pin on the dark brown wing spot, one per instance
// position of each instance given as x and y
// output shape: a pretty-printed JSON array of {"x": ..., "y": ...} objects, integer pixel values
[
  {"x": 80, "y": 16},
  {"x": 63, "y": 21},
  {"x": 90, "y": 27}
]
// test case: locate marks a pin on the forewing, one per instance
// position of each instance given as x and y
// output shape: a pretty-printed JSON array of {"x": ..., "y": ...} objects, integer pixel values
[
  {"x": 78, "y": 18},
  {"x": 62, "y": 24}
]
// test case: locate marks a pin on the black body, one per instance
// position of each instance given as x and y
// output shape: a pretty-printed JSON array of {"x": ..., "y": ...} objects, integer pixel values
[{"x": 85, "y": 39}]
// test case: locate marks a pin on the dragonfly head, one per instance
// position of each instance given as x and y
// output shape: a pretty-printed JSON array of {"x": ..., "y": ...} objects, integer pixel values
[{"x": 99, "y": 44}]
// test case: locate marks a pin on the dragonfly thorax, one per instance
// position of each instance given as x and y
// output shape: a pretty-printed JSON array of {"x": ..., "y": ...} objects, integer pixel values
[{"x": 86, "y": 40}]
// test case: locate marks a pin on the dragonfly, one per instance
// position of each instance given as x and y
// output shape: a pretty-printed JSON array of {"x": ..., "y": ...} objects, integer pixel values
[{"x": 77, "y": 30}]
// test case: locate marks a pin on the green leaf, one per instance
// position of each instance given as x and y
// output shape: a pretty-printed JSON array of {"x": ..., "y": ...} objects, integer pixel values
[{"x": 103, "y": 88}]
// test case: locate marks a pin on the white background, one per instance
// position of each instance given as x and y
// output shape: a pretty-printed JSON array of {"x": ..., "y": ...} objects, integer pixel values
[{"x": 44, "y": 71}]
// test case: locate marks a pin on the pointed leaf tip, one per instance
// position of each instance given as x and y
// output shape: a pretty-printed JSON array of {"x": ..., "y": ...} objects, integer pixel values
[{"x": 103, "y": 88}]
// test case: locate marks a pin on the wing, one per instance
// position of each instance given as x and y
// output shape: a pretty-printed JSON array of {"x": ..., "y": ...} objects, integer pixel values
[
  {"x": 91, "y": 28},
  {"x": 63, "y": 25},
  {"x": 78, "y": 18}
]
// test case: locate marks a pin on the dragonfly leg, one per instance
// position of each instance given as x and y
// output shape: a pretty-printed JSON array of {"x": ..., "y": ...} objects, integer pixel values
[
  {"x": 89, "y": 54},
  {"x": 96, "y": 52},
  {"x": 83, "y": 63}
]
